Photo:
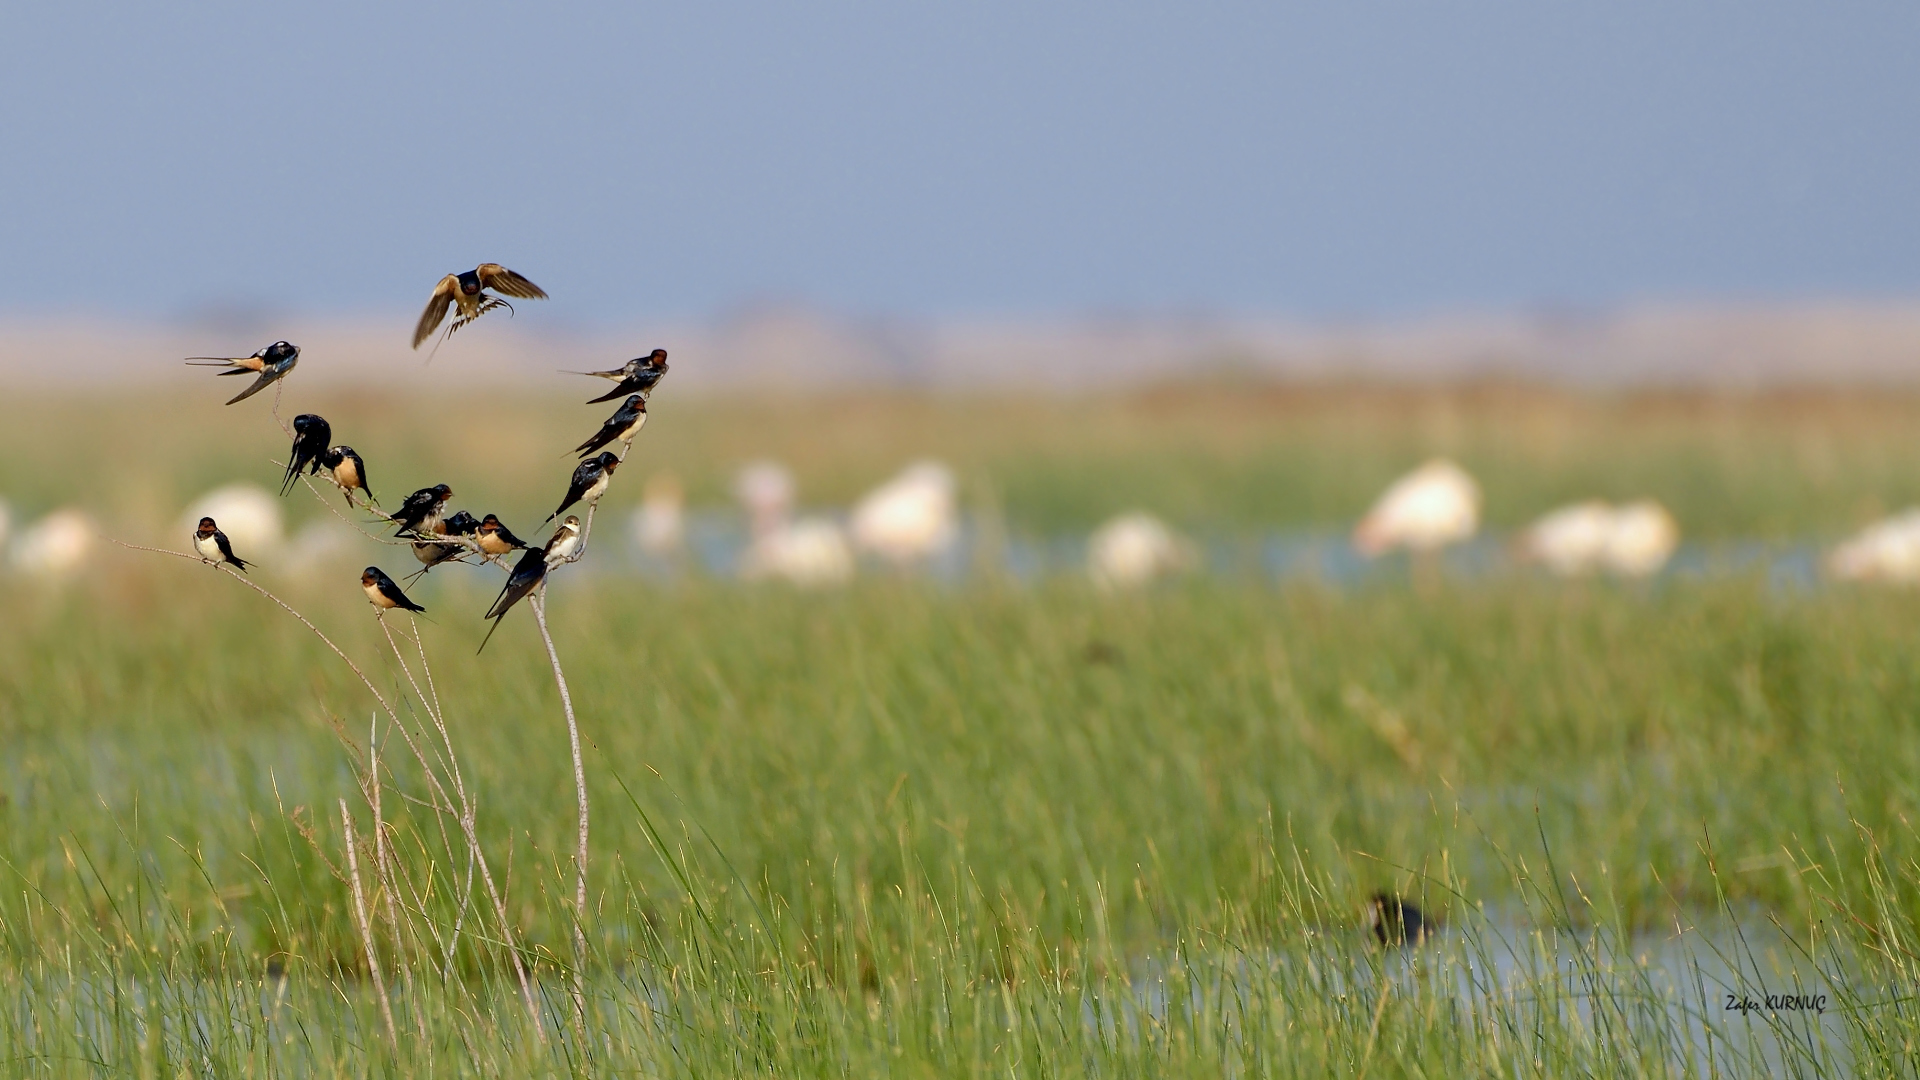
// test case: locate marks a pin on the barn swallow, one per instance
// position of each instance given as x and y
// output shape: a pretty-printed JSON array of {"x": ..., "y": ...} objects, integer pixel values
[
  {"x": 636, "y": 376},
  {"x": 527, "y": 575},
  {"x": 348, "y": 471},
  {"x": 464, "y": 290},
  {"x": 383, "y": 592},
  {"x": 311, "y": 434},
  {"x": 590, "y": 481},
  {"x": 272, "y": 362},
  {"x": 495, "y": 538},
  {"x": 432, "y": 554},
  {"x": 420, "y": 513},
  {"x": 460, "y": 524},
  {"x": 564, "y": 542},
  {"x": 212, "y": 545},
  {"x": 623, "y": 425}
]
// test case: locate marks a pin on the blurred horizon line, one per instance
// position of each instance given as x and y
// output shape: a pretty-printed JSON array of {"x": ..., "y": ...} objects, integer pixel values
[{"x": 788, "y": 346}]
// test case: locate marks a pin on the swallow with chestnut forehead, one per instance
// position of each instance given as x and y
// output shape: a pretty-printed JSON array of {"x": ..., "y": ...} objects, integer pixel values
[
  {"x": 311, "y": 434},
  {"x": 527, "y": 575},
  {"x": 623, "y": 425},
  {"x": 636, "y": 376},
  {"x": 420, "y": 513},
  {"x": 211, "y": 544},
  {"x": 590, "y": 481},
  {"x": 346, "y": 469},
  {"x": 271, "y": 363},
  {"x": 467, "y": 291},
  {"x": 383, "y": 592},
  {"x": 496, "y": 539}
]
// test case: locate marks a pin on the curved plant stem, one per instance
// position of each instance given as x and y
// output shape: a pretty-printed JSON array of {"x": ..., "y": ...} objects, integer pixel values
[{"x": 538, "y": 600}]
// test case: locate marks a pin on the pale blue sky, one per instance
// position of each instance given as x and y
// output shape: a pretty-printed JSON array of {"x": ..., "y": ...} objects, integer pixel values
[{"x": 987, "y": 158}]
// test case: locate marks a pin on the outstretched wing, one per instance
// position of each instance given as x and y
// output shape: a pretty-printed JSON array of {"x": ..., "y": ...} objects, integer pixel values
[
  {"x": 502, "y": 280},
  {"x": 265, "y": 380},
  {"x": 436, "y": 309}
]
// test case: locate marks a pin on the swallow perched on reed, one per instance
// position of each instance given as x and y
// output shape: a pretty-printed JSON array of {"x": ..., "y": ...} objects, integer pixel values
[
  {"x": 565, "y": 541},
  {"x": 383, "y": 592},
  {"x": 460, "y": 524},
  {"x": 590, "y": 480},
  {"x": 527, "y": 575},
  {"x": 433, "y": 553},
  {"x": 636, "y": 376},
  {"x": 623, "y": 425},
  {"x": 311, "y": 434},
  {"x": 211, "y": 544},
  {"x": 272, "y": 363},
  {"x": 495, "y": 538},
  {"x": 466, "y": 291},
  {"x": 346, "y": 469},
  {"x": 420, "y": 513}
]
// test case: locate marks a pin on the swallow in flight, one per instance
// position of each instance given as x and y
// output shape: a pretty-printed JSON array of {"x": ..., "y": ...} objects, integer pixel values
[
  {"x": 590, "y": 481},
  {"x": 623, "y": 425},
  {"x": 311, "y": 434},
  {"x": 382, "y": 591},
  {"x": 420, "y": 513},
  {"x": 636, "y": 376},
  {"x": 212, "y": 545},
  {"x": 348, "y": 471},
  {"x": 527, "y": 575},
  {"x": 496, "y": 539},
  {"x": 466, "y": 291},
  {"x": 272, "y": 363}
]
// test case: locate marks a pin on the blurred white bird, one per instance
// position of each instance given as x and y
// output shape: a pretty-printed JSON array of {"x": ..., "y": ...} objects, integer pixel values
[
  {"x": 1427, "y": 509},
  {"x": 6, "y": 523},
  {"x": 660, "y": 524},
  {"x": 1634, "y": 540},
  {"x": 248, "y": 514},
  {"x": 809, "y": 552},
  {"x": 910, "y": 518},
  {"x": 56, "y": 544},
  {"x": 1643, "y": 539},
  {"x": 1886, "y": 551},
  {"x": 1133, "y": 549}
]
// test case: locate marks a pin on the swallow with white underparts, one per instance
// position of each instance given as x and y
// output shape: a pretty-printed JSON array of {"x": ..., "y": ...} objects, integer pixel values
[
  {"x": 565, "y": 542},
  {"x": 590, "y": 481},
  {"x": 272, "y": 363},
  {"x": 311, "y": 434},
  {"x": 527, "y": 575},
  {"x": 212, "y": 545},
  {"x": 636, "y": 376},
  {"x": 383, "y": 592},
  {"x": 346, "y": 469},
  {"x": 420, "y": 513},
  {"x": 432, "y": 554},
  {"x": 467, "y": 291},
  {"x": 496, "y": 539},
  {"x": 623, "y": 425}
]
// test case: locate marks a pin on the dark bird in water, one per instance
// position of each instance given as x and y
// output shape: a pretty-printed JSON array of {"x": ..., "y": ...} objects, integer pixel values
[
  {"x": 348, "y": 471},
  {"x": 466, "y": 291},
  {"x": 311, "y": 434},
  {"x": 420, "y": 513},
  {"x": 460, "y": 524},
  {"x": 1394, "y": 921},
  {"x": 623, "y": 425},
  {"x": 527, "y": 575},
  {"x": 383, "y": 592},
  {"x": 495, "y": 538},
  {"x": 590, "y": 481},
  {"x": 636, "y": 376},
  {"x": 272, "y": 363},
  {"x": 212, "y": 545}
]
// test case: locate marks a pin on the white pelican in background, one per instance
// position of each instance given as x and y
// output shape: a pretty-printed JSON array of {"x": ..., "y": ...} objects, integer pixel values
[
  {"x": 809, "y": 552},
  {"x": 56, "y": 544},
  {"x": 249, "y": 515},
  {"x": 910, "y": 518},
  {"x": 1632, "y": 541},
  {"x": 1887, "y": 551},
  {"x": 1133, "y": 549},
  {"x": 660, "y": 525},
  {"x": 1427, "y": 509}
]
